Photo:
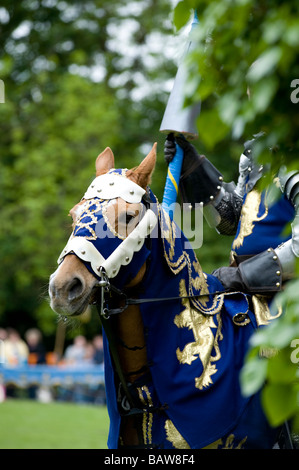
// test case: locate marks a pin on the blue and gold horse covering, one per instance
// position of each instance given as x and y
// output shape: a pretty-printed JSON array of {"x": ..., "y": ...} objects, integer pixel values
[{"x": 196, "y": 348}]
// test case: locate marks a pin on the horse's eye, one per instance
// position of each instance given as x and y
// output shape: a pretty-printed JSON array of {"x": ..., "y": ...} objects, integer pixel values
[
  {"x": 126, "y": 217},
  {"x": 129, "y": 218}
]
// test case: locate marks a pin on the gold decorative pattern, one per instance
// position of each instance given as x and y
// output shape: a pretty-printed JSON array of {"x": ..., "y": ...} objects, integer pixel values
[
  {"x": 198, "y": 283},
  {"x": 173, "y": 436},
  {"x": 204, "y": 340},
  {"x": 178, "y": 442},
  {"x": 88, "y": 212},
  {"x": 169, "y": 234},
  {"x": 169, "y": 237},
  {"x": 147, "y": 419},
  {"x": 249, "y": 215},
  {"x": 261, "y": 310},
  {"x": 228, "y": 444}
]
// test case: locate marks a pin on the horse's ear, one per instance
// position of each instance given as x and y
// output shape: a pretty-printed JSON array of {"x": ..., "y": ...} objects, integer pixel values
[
  {"x": 104, "y": 162},
  {"x": 142, "y": 174}
]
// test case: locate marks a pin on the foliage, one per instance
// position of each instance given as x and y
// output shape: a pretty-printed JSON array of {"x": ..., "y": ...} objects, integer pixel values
[
  {"x": 242, "y": 68},
  {"x": 70, "y": 91},
  {"x": 273, "y": 361},
  {"x": 79, "y": 76},
  {"x": 245, "y": 70}
]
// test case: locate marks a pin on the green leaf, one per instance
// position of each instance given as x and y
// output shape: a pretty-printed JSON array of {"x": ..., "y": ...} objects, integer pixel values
[
  {"x": 211, "y": 128},
  {"x": 280, "y": 402},
  {"x": 265, "y": 64},
  {"x": 253, "y": 375},
  {"x": 263, "y": 92},
  {"x": 281, "y": 370},
  {"x": 229, "y": 106},
  {"x": 181, "y": 15}
]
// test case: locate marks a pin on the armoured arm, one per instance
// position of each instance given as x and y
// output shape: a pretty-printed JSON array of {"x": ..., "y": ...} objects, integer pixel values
[{"x": 265, "y": 272}]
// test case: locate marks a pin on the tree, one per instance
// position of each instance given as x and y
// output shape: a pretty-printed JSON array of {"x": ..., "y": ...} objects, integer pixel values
[
  {"x": 78, "y": 76},
  {"x": 72, "y": 73},
  {"x": 245, "y": 70}
]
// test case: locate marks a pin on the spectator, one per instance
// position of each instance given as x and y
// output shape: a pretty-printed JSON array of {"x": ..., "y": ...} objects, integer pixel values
[
  {"x": 3, "y": 334},
  {"x": 80, "y": 353},
  {"x": 75, "y": 353},
  {"x": 15, "y": 349},
  {"x": 15, "y": 354},
  {"x": 89, "y": 354},
  {"x": 37, "y": 352},
  {"x": 99, "y": 351}
]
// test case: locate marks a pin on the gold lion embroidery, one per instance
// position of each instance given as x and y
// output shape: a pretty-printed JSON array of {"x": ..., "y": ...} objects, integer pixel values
[{"x": 204, "y": 340}]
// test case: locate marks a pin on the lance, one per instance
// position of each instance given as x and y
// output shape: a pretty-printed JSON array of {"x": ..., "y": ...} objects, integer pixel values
[{"x": 179, "y": 120}]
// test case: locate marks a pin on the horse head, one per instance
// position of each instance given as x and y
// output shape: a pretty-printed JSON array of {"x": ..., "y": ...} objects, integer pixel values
[{"x": 110, "y": 225}]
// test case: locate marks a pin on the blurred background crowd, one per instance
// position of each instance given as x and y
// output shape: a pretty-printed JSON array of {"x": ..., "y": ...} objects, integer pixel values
[
  {"x": 31, "y": 349},
  {"x": 17, "y": 351}
]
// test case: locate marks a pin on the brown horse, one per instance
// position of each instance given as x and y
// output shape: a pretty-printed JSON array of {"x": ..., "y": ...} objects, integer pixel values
[{"x": 175, "y": 342}]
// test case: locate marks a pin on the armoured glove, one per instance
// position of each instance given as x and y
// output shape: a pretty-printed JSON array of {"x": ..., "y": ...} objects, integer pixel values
[
  {"x": 261, "y": 274},
  {"x": 200, "y": 181}
]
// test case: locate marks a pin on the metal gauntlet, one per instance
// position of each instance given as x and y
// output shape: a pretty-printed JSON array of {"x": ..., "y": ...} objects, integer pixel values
[
  {"x": 200, "y": 181},
  {"x": 260, "y": 274}
]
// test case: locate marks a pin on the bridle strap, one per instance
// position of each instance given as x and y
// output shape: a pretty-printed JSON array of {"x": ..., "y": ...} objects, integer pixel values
[
  {"x": 165, "y": 299},
  {"x": 106, "y": 312},
  {"x": 115, "y": 357}
]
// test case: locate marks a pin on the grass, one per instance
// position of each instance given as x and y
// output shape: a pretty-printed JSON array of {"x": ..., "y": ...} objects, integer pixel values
[{"x": 28, "y": 424}]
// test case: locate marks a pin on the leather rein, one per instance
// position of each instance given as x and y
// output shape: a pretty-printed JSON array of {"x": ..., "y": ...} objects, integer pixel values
[{"x": 107, "y": 288}]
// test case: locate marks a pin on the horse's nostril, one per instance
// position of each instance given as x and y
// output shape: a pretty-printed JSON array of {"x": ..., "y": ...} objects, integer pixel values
[
  {"x": 52, "y": 290},
  {"x": 75, "y": 289}
]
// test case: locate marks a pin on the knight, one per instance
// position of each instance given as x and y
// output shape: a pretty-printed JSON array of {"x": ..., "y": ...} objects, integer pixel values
[{"x": 262, "y": 256}]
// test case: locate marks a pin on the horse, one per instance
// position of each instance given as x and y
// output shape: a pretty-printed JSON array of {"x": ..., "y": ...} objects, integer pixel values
[{"x": 174, "y": 339}]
